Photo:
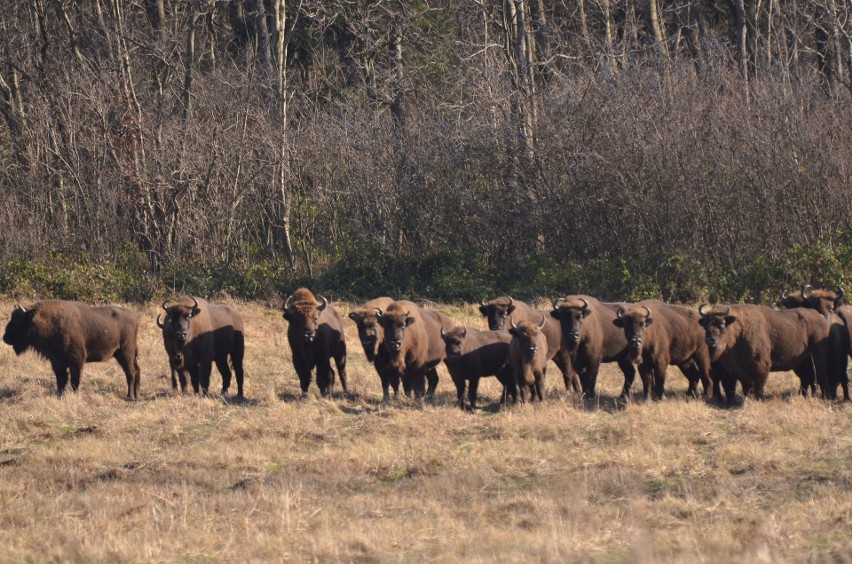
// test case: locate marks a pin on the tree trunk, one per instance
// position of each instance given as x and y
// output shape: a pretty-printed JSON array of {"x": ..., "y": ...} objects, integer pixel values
[{"x": 283, "y": 166}]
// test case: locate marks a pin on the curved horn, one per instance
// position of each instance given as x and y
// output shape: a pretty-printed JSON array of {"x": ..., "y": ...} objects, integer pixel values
[
  {"x": 164, "y": 305},
  {"x": 443, "y": 333},
  {"x": 784, "y": 294},
  {"x": 541, "y": 325},
  {"x": 585, "y": 304},
  {"x": 701, "y": 310},
  {"x": 727, "y": 311},
  {"x": 19, "y": 307},
  {"x": 840, "y": 292},
  {"x": 805, "y": 288},
  {"x": 511, "y": 301},
  {"x": 620, "y": 313},
  {"x": 555, "y": 303},
  {"x": 287, "y": 301},
  {"x": 194, "y": 303},
  {"x": 512, "y": 321},
  {"x": 379, "y": 312},
  {"x": 464, "y": 333},
  {"x": 648, "y": 310},
  {"x": 160, "y": 324},
  {"x": 323, "y": 305},
  {"x": 483, "y": 303}
]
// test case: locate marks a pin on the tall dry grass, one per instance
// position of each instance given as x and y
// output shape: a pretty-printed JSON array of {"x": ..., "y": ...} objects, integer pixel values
[{"x": 90, "y": 477}]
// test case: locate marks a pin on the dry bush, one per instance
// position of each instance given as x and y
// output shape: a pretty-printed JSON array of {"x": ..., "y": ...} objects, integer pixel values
[{"x": 92, "y": 477}]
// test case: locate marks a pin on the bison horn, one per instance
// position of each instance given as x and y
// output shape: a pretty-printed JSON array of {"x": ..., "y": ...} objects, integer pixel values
[
  {"x": 701, "y": 310},
  {"x": 287, "y": 301},
  {"x": 321, "y": 306},
  {"x": 511, "y": 301},
  {"x": 556, "y": 302},
  {"x": 443, "y": 333},
  {"x": 464, "y": 331},
  {"x": 512, "y": 321},
  {"x": 194, "y": 303},
  {"x": 805, "y": 292},
  {"x": 379, "y": 312},
  {"x": 483, "y": 303},
  {"x": 164, "y": 305},
  {"x": 727, "y": 311},
  {"x": 620, "y": 313},
  {"x": 648, "y": 310},
  {"x": 585, "y": 304},
  {"x": 784, "y": 295},
  {"x": 160, "y": 324},
  {"x": 840, "y": 292},
  {"x": 541, "y": 325},
  {"x": 20, "y": 308}
]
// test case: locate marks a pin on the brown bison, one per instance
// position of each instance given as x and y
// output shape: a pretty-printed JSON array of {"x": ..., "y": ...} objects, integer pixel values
[
  {"x": 659, "y": 334},
  {"x": 749, "y": 341},
  {"x": 370, "y": 333},
  {"x": 831, "y": 305},
  {"x": 315, "y": 334},
  {"x": 412, "y": 340},
  {"x": 590, "y": 337},
  {"x": 69, "y": 334},
  {"x": 528, "y": 358},
  {"x": 473, "y": 354},
  {"x": 195, "y": 335},
  {"x": 498, "y": 310}
]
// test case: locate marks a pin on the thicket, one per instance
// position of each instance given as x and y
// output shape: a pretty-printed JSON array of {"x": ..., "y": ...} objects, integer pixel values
[{"x": 452, "y": 150}]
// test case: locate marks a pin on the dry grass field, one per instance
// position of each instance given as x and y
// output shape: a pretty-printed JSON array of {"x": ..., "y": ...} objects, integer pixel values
[{"x": 91, "y": 477}]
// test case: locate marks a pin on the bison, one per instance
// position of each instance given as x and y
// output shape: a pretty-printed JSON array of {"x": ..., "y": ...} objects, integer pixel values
[
  {"x": 498, "y": 310},
  {"x": 69, "y": 334},
  {"x": 528, "y": 358},
  {"x": 660, "y": 334},
  {"x": 590, "y": 337},
  {"x": 749, "y": 341},
  {"x": 195, "y": 335},
  {"x": 370, "y": 333},
  {"x": 473, "y": 354},
  {"x": 315, "y": 334},
  {"x": 412, "y": 341},
  {"x": 830, "y": 304}
]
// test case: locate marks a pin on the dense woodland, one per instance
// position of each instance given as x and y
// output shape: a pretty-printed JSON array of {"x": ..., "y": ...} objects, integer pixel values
[{"x": 684, "y": 149}]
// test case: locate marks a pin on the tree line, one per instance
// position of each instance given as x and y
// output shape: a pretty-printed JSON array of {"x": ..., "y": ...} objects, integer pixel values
[{"x": 671, "y": 148}]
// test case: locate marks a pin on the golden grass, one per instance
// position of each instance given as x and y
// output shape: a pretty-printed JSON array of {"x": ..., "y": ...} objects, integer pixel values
[{"x": 91, "y": 477}]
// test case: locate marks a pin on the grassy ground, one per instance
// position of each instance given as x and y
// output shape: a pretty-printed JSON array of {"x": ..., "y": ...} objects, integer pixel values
[{"x": 91, "y": 477}]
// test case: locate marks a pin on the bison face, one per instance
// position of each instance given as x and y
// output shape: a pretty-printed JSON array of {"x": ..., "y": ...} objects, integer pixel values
[
  {"x": 304, "y": 315},
  {"x": 19, "y": 330},
  {"x": 369, "y": 329},
  {"x": 634, "y": 325},
  {"x": 497, "y": 312},
  {"x": 178, "y": 323},
  {"x": 394, "y": 326},
  {"x": 528, "y": 335},
  {"x": 571, "y": 321},
  {"x": 716, "y": 326},
  {"x": 453, "y": 341}
]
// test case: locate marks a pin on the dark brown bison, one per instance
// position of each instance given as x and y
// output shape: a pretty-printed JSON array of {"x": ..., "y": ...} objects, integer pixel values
[
  {"x": 69, "y": 334},
  {"x": 473, "y": 354},
  {"x": 831, "y": 305},
  {"x": 498, "y": 310},
  {"x": 370, "y": 333},
  {"x": 315, "y": 334},
  {"x": 659, "y": 334},
  {"x": 749, "y": 341},
  {"x": 197, "y": 334},
  {"x": 528, "y": 357},
  {"x": 590, "y": 337},
  {"x": 412, "y": 340}
]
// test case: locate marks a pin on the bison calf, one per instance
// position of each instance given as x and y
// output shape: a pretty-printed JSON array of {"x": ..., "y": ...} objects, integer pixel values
[
  {"x": 473, "y": 354},
  {"x": 69, "y": 334},
  {"x": 195, "y": 335},
  {"x": 315, "y": 335},
  {"x": 528, "y": 357}
]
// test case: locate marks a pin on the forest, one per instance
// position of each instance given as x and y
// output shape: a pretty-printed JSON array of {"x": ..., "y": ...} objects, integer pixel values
[{"x": 681, "y": 149}]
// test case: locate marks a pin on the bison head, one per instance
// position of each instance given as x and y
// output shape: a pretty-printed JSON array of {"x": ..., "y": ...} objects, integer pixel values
[
  {"x": 528, "y": 335},
  {"x": 369, "y": 329},
  {"x": 497, "y": 311},
  {"x": 716, "y": 325},
  {"x": 19, "y": 329},
  {"x": 178, "y": 322},
  {"x": 303, "y": 311},
  {"x": 394, "y": 324},
  {"x": 634, "y": 324},
  {"x": 454, "y": 341},
  {"x": 570, "y": 318}
]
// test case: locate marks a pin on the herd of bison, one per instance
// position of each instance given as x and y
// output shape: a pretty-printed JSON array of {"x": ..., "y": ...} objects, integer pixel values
[{"x": 716, "y": 346}]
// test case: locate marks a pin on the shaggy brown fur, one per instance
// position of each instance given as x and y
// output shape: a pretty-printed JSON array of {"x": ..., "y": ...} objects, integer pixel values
[
  {"x": 195, "y": 335},
  {"x": 69, "y": 334},
  {"x": 528, "y": 357},
  {"x": 659, "y": 334},
  {"x": 315, "y": 335}
]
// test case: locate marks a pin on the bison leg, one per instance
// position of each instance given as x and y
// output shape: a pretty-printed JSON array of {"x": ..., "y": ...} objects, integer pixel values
[
  {"x": 432, "y": 378},
  {"x": 204, "y": 376},
  {"x": 460, "y": 384},
  {"x": 325, "y": 377},
  {"x": 237, "y": 354},
  {"x": 225, "y": 371},
  {"x": 473, "y": 392},
  {"x": 661, "y": 365},
  {"x": 303, "y": 372},
  {"x": 538, "y": 387},
  {"x": 340, "y": 362},
  {"x": 61, "y": 372},
  {"x": 569, "y": 377},
  {"x": 75, "y": 370},
  {"x": 131, "y": 374}
]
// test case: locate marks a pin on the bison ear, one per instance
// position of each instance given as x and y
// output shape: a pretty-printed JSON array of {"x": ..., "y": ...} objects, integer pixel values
[
  {"x": 514, "y": 332},
  {"x": 703, "y": 321},
  {"x": 618, "y": 322},
  {"x": 483, "y": 310},
  {"x": 510, "y": 309},
  {"x": 195, "y": 311},
  {"x": 649, "y": 320},
  {"x": 729, "y": 320},
  {"x": 587, "y": 312},
  {"x": 409, "y": 321},
  {"x": 554, "y": 313},
  {"x": 287, "y": 315},
  {"x": 354, "y": 316}
]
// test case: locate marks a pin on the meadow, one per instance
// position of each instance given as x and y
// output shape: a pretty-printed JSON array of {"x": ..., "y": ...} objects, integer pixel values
[{"x": 92, "y": 477}]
